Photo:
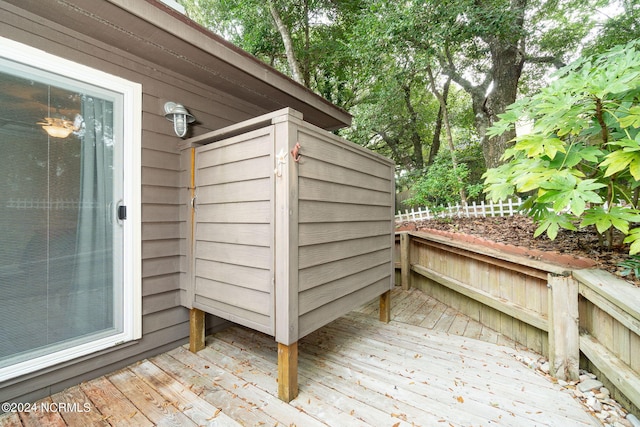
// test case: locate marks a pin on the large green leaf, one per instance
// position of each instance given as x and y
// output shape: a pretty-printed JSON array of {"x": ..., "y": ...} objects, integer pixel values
[
  {"x": 626, "y": 157},
  {"x": 633, "y": 119},
  {"x": 551, "y": 223},
  {"x": 536, "y": 145},
  {"x": 634, "y": 238},
  {"x": 565, "y": 191},
  {"x": 617, "y": 217}
]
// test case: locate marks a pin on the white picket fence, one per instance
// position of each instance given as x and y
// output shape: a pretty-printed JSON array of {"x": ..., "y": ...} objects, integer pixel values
[
  {"x": 502, "y": 208},
  {"x": 50, "y": 204}
]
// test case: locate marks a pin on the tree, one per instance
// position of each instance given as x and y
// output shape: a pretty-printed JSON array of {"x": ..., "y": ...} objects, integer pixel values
[
  {"x": 484, "y": 46},
  {"x": 287, "y": 41},
  {"x": 304, "y": 39},
  {"x": 618, "y": 27},
  {"x": 580, "y": 164},
  {"x": 402, "y": 107}
]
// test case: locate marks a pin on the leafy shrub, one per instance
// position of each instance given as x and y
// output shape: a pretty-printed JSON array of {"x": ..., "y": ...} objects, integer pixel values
[
  {"x": 580, "y": 164},
  {"x": 441, "y": 183}
]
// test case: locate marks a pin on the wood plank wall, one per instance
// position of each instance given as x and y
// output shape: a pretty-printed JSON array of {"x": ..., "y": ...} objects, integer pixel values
[
  {"x": 513, "y": 295},
  {"x": 495, "y": 279},
  {"x": 346, "y": 203},
  {"x": 610, "y": 333},
  {"x": 234, "y": 229}
]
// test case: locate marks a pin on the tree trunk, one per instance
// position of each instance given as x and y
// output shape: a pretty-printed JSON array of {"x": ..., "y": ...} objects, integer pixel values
[
  {"x": 447, "y": 127},
  {"x": 416, "y": 140},
  {"x": 294, "y": 66},
  {"x": 435, "y": 143},
  {"x": 507, "y": 68},
  {"x": 507, "y": 60}
]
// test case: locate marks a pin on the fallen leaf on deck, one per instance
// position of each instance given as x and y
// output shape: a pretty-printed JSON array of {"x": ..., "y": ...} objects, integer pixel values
[
  {"x": 215, "y": 414},
  {"x": 403, "y": 417}
]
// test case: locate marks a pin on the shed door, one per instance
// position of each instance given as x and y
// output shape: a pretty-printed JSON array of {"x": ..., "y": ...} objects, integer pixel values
[{"x": 233, "y": 239}]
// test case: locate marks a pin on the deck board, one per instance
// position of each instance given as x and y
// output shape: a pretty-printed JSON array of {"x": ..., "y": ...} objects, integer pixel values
[{"x": 429, "y": 366}]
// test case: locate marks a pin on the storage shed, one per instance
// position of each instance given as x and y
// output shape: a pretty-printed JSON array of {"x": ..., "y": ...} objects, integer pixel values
[{"x": 292, "y": 228}]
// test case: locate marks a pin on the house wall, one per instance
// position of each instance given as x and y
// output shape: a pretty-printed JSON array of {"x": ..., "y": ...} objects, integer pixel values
[{"x": 165, "y": 322}]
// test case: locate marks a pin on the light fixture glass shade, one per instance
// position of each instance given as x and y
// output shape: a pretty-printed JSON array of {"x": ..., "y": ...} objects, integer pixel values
[
  {"x": 180, "y": 117},
  {"x": 58, "y": 128}
]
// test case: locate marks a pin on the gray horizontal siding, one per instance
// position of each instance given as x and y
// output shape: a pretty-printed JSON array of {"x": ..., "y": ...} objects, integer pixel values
[
  {"x": 323, "y": 254},
  {"x": 311, "y": 321},
  {"x": 345, "y": 216},
  {"x": 233, "y": 232}
]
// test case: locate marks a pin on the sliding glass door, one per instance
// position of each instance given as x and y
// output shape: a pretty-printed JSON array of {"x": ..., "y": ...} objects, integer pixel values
[{"x": 63, "y": 282}]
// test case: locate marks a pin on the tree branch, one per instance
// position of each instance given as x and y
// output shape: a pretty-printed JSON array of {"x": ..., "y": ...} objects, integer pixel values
[
  {"x": 294, "y": 66},
  {"x": 544, "y": 60}
]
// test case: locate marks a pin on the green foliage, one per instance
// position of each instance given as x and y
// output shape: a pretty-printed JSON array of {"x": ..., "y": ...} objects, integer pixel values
[
  {"x": 617, "y": 29},
  {"x": 320, "y": 31},
  {"x": 580, "y": 163},
  {"x": 441, "y": 183},
  {"x": 631, "y": 266}
]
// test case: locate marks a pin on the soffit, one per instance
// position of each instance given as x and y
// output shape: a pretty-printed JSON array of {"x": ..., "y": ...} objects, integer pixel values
[{"x": 154, "y": 32}]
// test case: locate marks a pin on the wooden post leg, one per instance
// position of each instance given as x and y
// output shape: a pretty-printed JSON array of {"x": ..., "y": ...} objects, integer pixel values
[
  {"x": 405, "y": 261},
  {"x": 287, "y": 371},
  {"x": 196, "y": 330},
  {"x": 385, "y": 307},
  {"x": 564, "y": 336}
]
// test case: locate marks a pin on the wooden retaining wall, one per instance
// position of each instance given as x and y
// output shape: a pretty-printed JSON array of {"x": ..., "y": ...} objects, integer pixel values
[{"x": 576, "y": 316}]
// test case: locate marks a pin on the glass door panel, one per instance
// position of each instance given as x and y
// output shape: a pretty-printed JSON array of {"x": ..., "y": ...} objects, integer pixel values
[{"x": 60, "y": 272}]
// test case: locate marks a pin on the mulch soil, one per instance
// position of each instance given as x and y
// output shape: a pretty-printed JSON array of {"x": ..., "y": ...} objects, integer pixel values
[{"x": 518, "y": 230}]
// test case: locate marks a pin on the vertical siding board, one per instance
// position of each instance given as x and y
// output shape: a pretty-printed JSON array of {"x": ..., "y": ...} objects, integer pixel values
[
  {"x": 634, "y": 350},
  {"x": 621, "y": 342},
  {"x": 533, "y": 289}
]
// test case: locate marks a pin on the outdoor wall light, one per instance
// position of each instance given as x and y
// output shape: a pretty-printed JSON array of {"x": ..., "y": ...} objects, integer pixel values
[{"x": 180, "y": 117}]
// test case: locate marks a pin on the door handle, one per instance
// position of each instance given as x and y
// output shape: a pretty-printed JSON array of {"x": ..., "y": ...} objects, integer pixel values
[{"x": 122, "y": 212}]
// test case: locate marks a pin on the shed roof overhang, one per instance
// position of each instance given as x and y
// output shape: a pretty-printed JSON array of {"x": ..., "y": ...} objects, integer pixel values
[{"x": 155, "y": 32}]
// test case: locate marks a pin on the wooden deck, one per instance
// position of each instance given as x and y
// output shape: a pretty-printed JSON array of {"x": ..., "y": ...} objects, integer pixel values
[{"x": 430, "y": 366}]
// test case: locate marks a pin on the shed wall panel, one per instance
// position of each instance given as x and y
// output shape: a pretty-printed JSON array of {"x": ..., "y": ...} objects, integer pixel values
[
  {"x": 341, "y": 192},
  {"x": 233, "y": 231},
  {"x": 323, "y": 254},
  {"x": 333, "y": 270},
  {"x": 309, "y": 322},
  {"x": 345, "y": 217}
]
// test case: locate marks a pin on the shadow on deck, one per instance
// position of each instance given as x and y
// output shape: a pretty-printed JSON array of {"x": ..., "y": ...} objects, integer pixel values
[{"x": 430, "y": 366}]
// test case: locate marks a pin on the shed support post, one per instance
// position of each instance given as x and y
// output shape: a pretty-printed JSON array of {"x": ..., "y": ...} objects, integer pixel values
[
  {"x": 196, "y": 330},
  {"x": 287, "y": 371},
  {"x": 564, "y": 337},
  {"x": 405, "y": 263},
  {"x": 385, "y": 307}
]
